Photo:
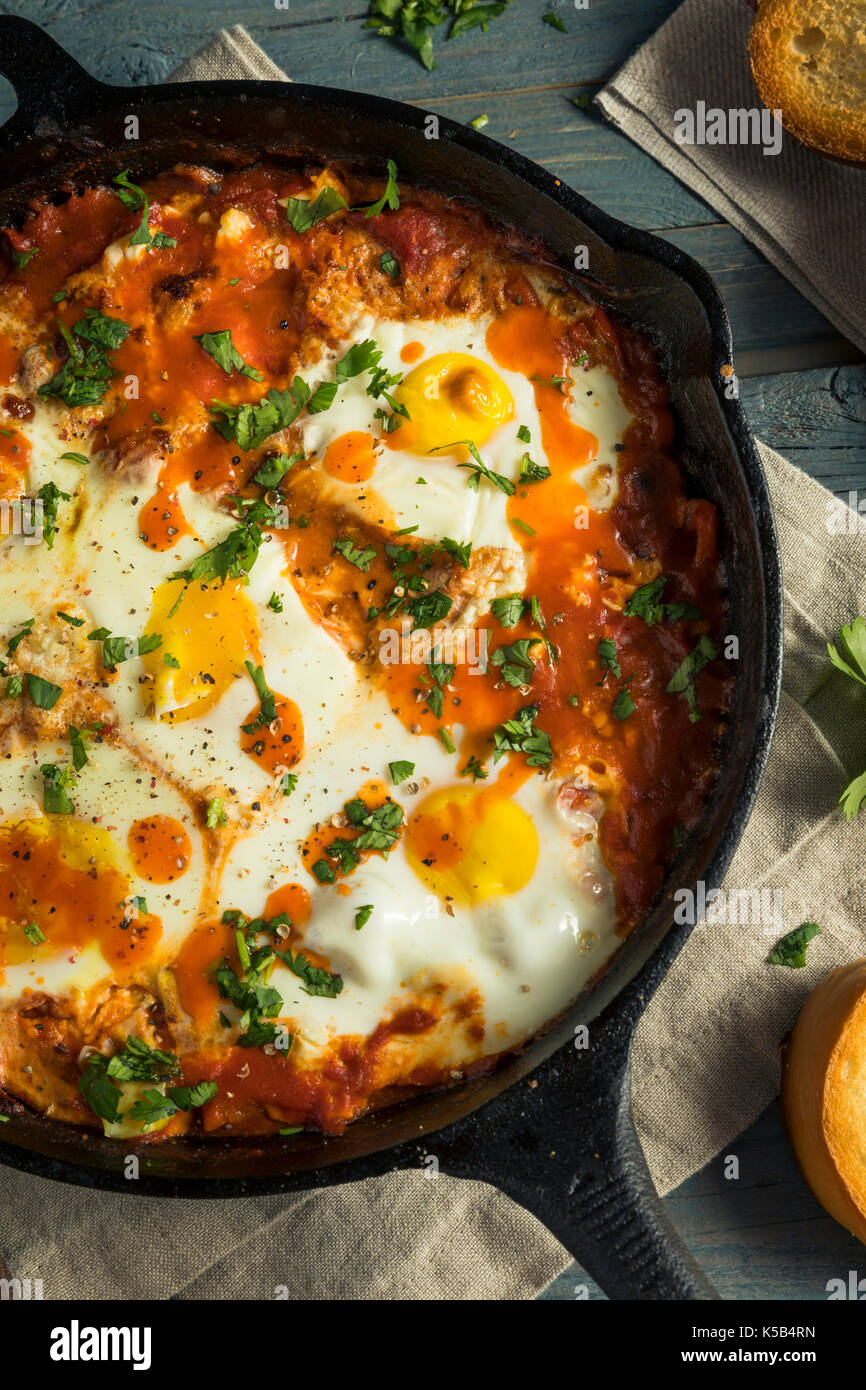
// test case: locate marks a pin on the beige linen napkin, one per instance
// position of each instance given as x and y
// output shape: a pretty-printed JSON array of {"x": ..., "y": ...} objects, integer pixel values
[
  {"x": 706, "y": 1054},
  {"x": 803, "y": 211}
]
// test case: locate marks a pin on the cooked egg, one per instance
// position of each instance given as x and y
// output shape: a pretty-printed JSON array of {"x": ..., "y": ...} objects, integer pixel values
[
  {"x": 452, "y": 397},
  {"x": 207, "y": 632}
]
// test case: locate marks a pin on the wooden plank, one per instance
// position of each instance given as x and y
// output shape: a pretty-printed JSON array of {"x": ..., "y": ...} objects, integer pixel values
[
  {"x": 817, "y": 419},
  {"x": 762, "y": 1235},
  {"x": 324, "y": 41},
  {"x": 767, "y": 313}
]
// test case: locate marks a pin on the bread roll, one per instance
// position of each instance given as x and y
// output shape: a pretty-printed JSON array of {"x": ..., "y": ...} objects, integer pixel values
[{"x": 824, "y": 1094}]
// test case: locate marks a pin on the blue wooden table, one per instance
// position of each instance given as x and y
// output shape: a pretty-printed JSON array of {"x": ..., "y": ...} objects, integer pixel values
[{"x": 803, "y": 385}]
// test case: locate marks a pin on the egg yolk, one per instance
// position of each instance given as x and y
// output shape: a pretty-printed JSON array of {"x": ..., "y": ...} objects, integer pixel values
[
  {"x": 469, "y": 845},
  {"x": 350, "y": 457},
  {"x": 450, "y": 397},
  {"x": 63, "y": 876},
  {"x": 210, "y": 636}
]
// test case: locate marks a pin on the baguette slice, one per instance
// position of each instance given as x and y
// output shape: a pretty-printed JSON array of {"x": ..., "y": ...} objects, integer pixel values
[{"x": 809, "y": 61}]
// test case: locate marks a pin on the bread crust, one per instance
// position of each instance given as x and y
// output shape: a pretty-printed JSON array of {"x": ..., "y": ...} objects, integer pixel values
[
  {"x": 809, "y": 62},
  {"x": 823, "y": 1087}
]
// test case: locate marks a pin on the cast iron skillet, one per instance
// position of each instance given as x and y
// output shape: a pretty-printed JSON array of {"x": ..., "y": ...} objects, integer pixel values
[{"x": 562, "y": 1144}]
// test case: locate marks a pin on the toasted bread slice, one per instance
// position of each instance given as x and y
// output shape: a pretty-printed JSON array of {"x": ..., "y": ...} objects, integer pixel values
[
  {"x": 809, "y": 61},
  {"x": 824, "y": 1094}
]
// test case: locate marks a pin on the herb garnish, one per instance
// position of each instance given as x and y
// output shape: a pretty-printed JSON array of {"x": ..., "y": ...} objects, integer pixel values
[
  {"x": 520, "y": 735},
  {"x": 851, "y": 660},
  {"x": 102, "y": 1080},
  {"x": 414, "y": 20},
  {"x": 646, "y": 603},
  {"x": 682, "y": 682},
  {"x": 790, "y": 950},
  {"x": 134, "y": 198},
  {"x": 84, "y": 376},
  {"x": 220, "y": 347}
]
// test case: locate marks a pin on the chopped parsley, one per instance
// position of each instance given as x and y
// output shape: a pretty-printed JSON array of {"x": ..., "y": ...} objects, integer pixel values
[
  {"x": 42, "y": 692},
  {"x": 271, "y": 473},
  {"x": 56, "y": 782},
  {"x": 250, "y": 993},
  {"x": 50, "y": 496},
  {"x": 315, "y": 979},
  {"x": 391, "y": 196},
  {"x": 78, "y": 739},
  {"x": 623, "y": 705},
  {"x": 134, "y": 198},
  {"x": 791, "y": 949},
  {"x": 275, "y": 603},
  {"x": 531, "y": 472},
  {"x": 361, "y": 559},
  {"x": 101, "y": 1081},
  {"x": 235, "y": 556},
  {"x": 380, "y": 830},
  {"x": 84, "y": 376},
  {"x": 682, "y": 682},
  {"x": 251, "y": 425},
  {"x": 361, "y": 357},
  {"x": 507, "y": 610},
  {"x": 220, "y": 347},
  {"x": 515, "y": 662},
  {"x": 474, "y": 769},
  {"x": 25, "y": 630},
  {"x": 389, "y": 265},
  {"x": 268, "y": 707},
  {"x": 302, "y": 214},
  {"x": 400, "y": 771},
  {"x": 457, "y": 550},
  {"x": 850, "y": 659},
  {"x": 116, "y": 650},
  {"x": 413, "y": 21},
  {"x": 363, "y": 915},
  {"x": 608, "y": 658},
  {"x": 646, "y": 603},
  {"x": 428, "y": 608},
  {"x": 520, "y": 735},
  {"x": 478, "y": 468}
]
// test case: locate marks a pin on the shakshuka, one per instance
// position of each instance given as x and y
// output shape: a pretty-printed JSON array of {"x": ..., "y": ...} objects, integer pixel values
[{"x": 361, "y": 652}]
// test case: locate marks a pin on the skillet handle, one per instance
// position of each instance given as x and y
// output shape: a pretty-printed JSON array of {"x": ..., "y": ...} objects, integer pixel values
[
  {"x": 52, "y": 89},
  {"x": 564, "y": 1146}
]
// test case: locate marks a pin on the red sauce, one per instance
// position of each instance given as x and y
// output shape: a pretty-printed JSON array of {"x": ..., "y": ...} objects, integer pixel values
[
  {"x": 160, "y": 848},
  {"x": 72, "y": 901}
]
